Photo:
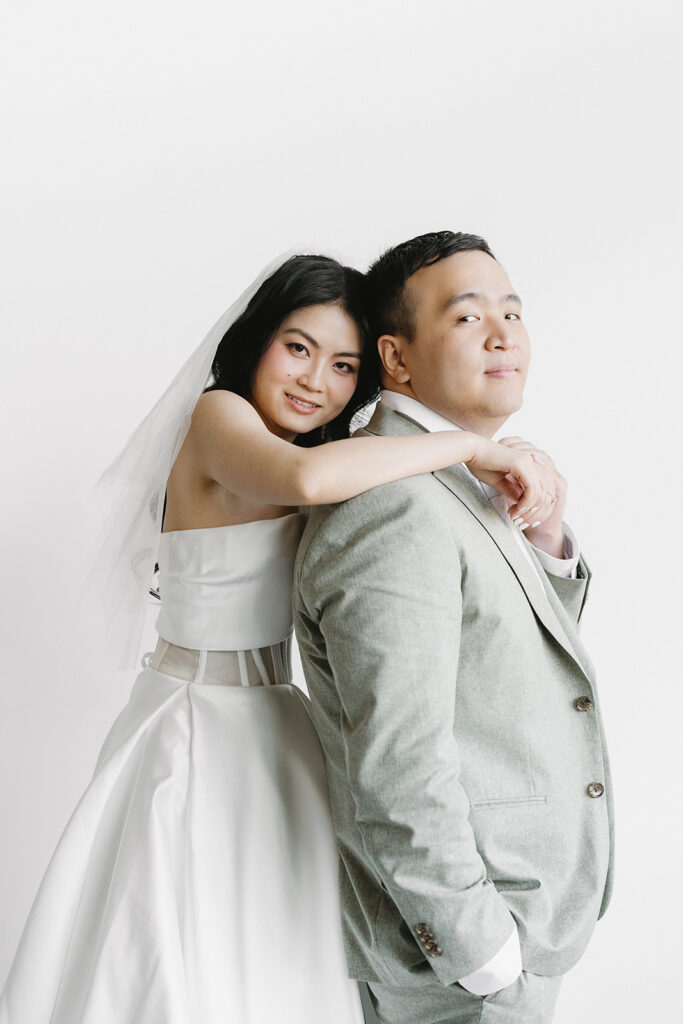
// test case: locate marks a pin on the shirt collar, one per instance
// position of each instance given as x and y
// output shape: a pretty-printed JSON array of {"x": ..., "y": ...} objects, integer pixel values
[
  {"x": 416, "y": 411},
  {"x": 430, "y": 420}
]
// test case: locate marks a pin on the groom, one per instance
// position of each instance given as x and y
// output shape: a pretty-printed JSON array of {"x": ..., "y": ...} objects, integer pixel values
[{"x": 454, "y": 700}]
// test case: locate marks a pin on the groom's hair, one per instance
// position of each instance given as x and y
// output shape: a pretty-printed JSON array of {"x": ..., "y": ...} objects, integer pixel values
[{"x": 390, "y": 309}]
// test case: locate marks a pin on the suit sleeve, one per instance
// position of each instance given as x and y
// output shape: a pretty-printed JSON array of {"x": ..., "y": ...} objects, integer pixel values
[
  {"x": 382, "y": 580},
  {"x": 573, "y": 592},
  {"x": 569, "y": 576}
]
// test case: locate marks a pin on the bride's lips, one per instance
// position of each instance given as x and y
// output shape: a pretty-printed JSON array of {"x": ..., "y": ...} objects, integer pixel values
[{"x": 302, "y": 405}]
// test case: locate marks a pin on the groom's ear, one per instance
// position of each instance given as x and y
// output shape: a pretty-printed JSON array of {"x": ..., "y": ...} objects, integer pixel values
[{"x": 391, "y": 348}]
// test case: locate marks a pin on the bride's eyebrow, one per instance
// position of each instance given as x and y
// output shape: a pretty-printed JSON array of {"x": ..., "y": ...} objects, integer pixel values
[{"x": 297, "y": 330}]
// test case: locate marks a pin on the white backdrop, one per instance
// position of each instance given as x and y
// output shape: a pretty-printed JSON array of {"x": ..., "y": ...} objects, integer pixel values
[{"x": 156, "y": 155}]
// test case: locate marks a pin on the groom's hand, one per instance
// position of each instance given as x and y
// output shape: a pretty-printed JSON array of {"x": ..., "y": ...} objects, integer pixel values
[{"x": 549, "y": 535}]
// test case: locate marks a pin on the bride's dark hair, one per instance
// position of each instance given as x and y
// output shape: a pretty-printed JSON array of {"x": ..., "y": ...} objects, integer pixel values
[{"x": 301, "y": 281}]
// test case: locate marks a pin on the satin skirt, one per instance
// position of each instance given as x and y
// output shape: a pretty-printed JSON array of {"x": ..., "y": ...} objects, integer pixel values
[{"x": 196, "y": 882}]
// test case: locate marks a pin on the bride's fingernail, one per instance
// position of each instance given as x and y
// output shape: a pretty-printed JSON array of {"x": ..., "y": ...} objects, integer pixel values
[
  {"x": 517, "y": 519},
  {"x": 523, "y": 526},
  {"x": 537, "y": 523},
  {"x": 534, "y": 509}
]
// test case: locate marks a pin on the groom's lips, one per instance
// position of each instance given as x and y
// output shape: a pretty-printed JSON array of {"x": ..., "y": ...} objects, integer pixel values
[{"x": 503, "y": 372}]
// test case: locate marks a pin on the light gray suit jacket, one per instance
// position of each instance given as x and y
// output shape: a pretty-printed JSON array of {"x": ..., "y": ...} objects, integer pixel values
[{"x": 444, "y": 679}]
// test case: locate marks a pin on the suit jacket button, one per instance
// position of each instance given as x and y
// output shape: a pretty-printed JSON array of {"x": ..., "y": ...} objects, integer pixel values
[
  {"x": 583, "y": 704},
  {"x": 595, "y": 789},
  {"x": 421, "y": 929},
  {"x": 433, "y": 949}
]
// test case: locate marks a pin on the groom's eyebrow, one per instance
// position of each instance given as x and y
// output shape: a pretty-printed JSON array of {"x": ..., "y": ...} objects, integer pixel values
[
  {"x": 453, "y": 300},
  {"x": 297, "y": 330}
]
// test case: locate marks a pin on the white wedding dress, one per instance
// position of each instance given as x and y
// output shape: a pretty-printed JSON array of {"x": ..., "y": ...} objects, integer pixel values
[{"x": 196, "y": 882}]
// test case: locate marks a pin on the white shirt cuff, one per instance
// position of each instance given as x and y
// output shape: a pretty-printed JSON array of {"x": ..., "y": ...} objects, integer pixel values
[
  {"x": 500, "y": 971},
  {"x": 566, "y": 566}
]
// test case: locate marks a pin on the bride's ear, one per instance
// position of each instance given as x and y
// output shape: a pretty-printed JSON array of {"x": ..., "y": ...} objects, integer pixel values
[{"x": 391, "y": 347}]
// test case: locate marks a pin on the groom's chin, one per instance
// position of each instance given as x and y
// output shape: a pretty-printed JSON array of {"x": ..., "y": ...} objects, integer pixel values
[{"x": 507, "y": 405}]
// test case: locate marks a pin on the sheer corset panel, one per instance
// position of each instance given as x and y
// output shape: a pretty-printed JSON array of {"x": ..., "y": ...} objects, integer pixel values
[{"x": 261, "y": 666}]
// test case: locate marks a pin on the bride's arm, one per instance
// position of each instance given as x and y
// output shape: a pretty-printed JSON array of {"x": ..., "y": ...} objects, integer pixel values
[{"x": 234, "y": 448}]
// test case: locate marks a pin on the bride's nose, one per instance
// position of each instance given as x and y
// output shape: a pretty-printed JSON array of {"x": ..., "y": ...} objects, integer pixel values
[{"x": 312, "y": 378}]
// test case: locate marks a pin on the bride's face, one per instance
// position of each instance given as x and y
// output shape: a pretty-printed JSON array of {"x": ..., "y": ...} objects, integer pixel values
[{"x": 309, "y": 371}]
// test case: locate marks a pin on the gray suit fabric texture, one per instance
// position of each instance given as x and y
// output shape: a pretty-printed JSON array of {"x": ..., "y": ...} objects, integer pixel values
[
  {"x": 444, "y": 677},
  {"x": 529, "y": 1000}
]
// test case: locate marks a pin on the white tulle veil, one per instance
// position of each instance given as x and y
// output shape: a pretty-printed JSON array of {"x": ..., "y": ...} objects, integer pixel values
[{"x": 132, "y": 492}]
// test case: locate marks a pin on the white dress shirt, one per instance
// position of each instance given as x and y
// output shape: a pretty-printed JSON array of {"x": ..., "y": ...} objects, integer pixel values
[{"x": 506, "y": 965}]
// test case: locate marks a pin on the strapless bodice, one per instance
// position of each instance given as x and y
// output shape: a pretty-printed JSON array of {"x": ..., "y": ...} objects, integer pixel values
[{"x": 228, "y": 588}]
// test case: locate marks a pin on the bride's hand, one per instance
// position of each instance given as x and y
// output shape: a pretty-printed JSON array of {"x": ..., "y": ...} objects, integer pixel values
[{"x": 528, "y": 485}]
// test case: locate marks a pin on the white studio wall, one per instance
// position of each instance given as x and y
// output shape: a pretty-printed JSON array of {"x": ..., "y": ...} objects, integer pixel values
[{"x": 157, "y": 155}]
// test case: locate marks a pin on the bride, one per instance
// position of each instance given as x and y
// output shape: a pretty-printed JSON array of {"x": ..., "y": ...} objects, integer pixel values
[{"x": 196, "y": 880}]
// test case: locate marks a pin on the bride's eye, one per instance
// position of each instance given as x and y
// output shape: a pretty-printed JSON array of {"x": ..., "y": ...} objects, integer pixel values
[
  {"x": 297, "y": 348},
  {"x": 345, "y": 367}
]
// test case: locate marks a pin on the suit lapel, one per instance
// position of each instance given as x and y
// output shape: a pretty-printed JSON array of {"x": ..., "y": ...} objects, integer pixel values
[
  {"x": 540, "y": 596},
  {"x": 539, "y": 593}
]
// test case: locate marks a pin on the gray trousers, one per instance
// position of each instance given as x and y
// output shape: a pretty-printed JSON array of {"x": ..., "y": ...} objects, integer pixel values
[{"x": 529, "y": 1000}]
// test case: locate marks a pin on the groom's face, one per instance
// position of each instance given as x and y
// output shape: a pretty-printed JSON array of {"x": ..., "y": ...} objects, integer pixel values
[{"x": 469, "y": 355}]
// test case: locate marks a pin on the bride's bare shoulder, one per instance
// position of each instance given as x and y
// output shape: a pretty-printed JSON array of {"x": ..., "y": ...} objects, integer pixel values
[
  {"x": 214, "y": 401},
  {"x": 224, "y": 411}
]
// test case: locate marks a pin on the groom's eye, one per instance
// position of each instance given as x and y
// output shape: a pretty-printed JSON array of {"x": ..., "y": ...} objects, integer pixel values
[
  {"x": 512, "y": 316},
  {"x": 468, "y": 318}
]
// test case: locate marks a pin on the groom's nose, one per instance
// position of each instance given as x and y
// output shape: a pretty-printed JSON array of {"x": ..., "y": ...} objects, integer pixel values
[{"x": 499, "y": 335}]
